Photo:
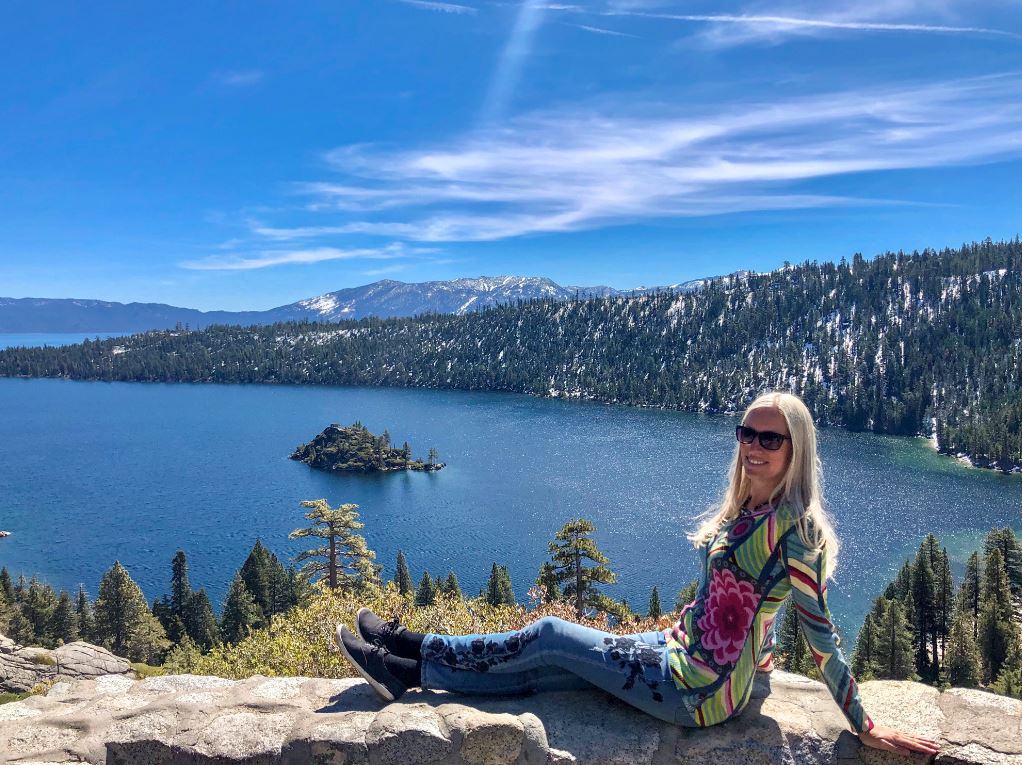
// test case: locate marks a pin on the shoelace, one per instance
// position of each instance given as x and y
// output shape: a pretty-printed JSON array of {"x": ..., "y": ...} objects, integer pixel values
[{"x": 387, "y": 630}]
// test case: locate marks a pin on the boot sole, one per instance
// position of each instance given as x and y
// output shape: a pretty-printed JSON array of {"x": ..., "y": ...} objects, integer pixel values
[{"x": 381, "y": 690}]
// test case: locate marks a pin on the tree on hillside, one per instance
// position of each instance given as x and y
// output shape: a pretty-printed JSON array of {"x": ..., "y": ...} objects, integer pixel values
[
  {"x": 654, "y": 611},
  {"x": 450, "y": 586},
  {"x": 894, "y": 647},
  {"x": 270, "y": 584},
  {"x": 996, "y": 630},
  {"x": 970, "y": 594},
  {"x": 6, "y": 586},
  {"x": 961, "y": 659},
  {"x": 199, "y": 621},
  {"x": 547, "y": 582},
  {"x": 1009, "y": 679},
  {"x": 686, "y": 595},
  {"x": 403, "y": 577},
  {"x": 124, "y": 623},
  {"x": 64, "y": 624},
  {"x": 425, "y": 595},
  {"x": 924, "y": 594},
  {"x": 86, "y": 620},
  {"x": 38, "y": 603},
  {"x": 573, "y": 547},
  {"x": 180, "y": 587},
  {"x": 1011, "y": 553},
  {"x": 345, "y": 560},
  {"x": 241, "y": 614},
  {"x": 792, "y": 651},
  {"x": 865, "y": 660},
  {"x": 499, "y": 591}
]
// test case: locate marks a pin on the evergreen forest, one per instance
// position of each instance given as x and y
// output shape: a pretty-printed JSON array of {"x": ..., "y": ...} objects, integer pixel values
[{"x": 922, "y": 343}]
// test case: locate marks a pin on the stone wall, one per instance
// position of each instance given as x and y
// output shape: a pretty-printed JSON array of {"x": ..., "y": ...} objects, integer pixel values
[{"x": 198, "y": 720}]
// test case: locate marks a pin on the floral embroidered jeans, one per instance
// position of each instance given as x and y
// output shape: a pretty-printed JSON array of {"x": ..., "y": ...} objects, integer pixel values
[{"x": 556, "y": 655}]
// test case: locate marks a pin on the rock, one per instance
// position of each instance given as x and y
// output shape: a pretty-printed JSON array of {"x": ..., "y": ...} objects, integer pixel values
[
  {"x": 407, "y": 735},
  {"x": 21, "y": 668},
  {"x": 178, "y": 720},
  {"x": 80, "y": 660}
]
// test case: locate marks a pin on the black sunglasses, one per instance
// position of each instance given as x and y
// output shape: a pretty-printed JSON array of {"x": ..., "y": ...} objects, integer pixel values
[{"x": 767, "y": 438}]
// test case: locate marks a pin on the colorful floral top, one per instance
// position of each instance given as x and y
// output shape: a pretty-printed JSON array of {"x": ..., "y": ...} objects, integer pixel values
[{"x": 727, "y": 631}]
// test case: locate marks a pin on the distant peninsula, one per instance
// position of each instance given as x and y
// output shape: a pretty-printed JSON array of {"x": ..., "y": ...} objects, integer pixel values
[{"x": 355, "y": 449}]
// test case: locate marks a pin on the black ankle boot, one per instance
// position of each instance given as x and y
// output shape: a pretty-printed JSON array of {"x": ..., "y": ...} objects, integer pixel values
[
  {"x": 390, "y": 676},
  {"x": 391, "y": 635}
]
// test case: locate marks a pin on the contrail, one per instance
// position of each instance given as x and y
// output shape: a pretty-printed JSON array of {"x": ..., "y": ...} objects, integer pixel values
[{"x": 512, "y": 60}]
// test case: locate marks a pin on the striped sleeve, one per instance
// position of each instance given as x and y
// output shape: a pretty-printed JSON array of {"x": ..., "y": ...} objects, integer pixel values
[{"x": 809, "y": 597}]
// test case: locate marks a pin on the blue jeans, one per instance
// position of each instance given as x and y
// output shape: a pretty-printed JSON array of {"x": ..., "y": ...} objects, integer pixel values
[{"x": 556, "y": 655}]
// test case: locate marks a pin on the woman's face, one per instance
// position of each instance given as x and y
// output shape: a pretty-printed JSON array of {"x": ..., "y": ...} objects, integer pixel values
[{"x": 765, "y": 467}]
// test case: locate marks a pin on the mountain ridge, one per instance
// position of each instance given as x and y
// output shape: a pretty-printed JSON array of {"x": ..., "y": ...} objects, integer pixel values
[{"x": 386, "y": 298}]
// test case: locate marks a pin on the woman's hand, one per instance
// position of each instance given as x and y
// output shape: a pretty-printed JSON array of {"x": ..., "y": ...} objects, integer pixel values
[{"x": 891, "y": 740}]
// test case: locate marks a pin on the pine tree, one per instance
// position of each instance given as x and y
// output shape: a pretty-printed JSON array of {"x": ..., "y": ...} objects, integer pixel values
[
  {"x": 654, "y": 611},
  {"x": 38, "y": 603},
  {"x": 425, "y": 595},
  {"x": 6, "y": 586},
  {"x": 865, "y": 664},
  {"x": 686, "y": 595},
  {"x": 970, "y": 594},
  {"x": 1011, "y": 554},
  {"x": 120, "y": 610},
  {"x": 180, "y": 587},
  {"x": 403, "y": 577},
  {"x": 257, "y": 575},
  {"x": 240, "y": 613},
  {"x": 64, "y": 624},
  {"x": 961, "y": 659},
  {"x": 996, "y": 631},
  {"x": 924, "y": 594},
  {"x": 945, "y": 601},
  {"x": 569, "y": 553},
  {"x": 1009, "y": 679},
  {"x": 499, "y": 591},
  {"x": 199, "y": 622},
  {"x": 792, "y": 650},
  {"x": 450, "y": 587},
  {"x": 148, "y": 641},
  {"x": 547, "y": 581},
  {"x": 83, "y": 612},
  {"x": 345, "y": 560},
  {"x": 20, "y": 628},
  {"x": 894, "y": 648}
]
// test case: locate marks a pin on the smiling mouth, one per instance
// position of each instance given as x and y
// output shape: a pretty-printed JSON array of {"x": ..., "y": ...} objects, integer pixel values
[{"x": 751, "y": 461}]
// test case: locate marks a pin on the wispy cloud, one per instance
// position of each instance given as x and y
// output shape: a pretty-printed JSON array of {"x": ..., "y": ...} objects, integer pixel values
[
  {"x": 240, "y": 78},
  {"x": 788, "y": 20},
  {"x": 572, "y": 170},
  {"x": 602, "y": 31},
  {"x": 781, "y": 24},
  {"x": 266, "y": 258},
  {"x": 441, "y": 7}
]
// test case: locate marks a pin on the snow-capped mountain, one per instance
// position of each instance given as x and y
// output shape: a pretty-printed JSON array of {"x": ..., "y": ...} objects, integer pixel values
[{"x": 385, "y": 298}]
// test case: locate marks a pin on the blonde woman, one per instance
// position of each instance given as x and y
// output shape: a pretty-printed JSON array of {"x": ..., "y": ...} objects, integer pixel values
[{"x": 769, "y": 537}]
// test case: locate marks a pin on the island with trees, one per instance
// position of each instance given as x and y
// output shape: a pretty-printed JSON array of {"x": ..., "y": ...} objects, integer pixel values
[{"x": 355, "y": 448}]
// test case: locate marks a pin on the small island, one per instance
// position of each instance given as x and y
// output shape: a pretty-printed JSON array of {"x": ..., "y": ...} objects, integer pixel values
[{"x": 354, "y": 448}]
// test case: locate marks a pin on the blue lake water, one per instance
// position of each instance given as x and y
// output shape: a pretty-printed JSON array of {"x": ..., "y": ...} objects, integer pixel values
[{"x": 96, "y": 472}]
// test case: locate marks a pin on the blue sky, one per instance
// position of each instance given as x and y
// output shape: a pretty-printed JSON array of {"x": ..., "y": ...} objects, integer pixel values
[{"x": 247, "y": 155}]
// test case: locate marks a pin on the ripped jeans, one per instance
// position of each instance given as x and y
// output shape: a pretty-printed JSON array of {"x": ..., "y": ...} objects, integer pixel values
[{"x": 556, "y": 655}]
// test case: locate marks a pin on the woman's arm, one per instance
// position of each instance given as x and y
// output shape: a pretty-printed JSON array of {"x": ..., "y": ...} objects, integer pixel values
[{"x": 809, "y": 597}]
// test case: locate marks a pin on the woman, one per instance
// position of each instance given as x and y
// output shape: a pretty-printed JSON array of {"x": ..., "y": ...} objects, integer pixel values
[{"x": 770, "y": 537}]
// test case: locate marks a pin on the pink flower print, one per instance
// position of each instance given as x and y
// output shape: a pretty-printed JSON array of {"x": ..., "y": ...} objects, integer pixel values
[{"x": 730, "y": 608}]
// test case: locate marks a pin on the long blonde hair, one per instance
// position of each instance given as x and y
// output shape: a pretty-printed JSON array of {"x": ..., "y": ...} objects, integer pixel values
[{"x": 801, "y": 488}]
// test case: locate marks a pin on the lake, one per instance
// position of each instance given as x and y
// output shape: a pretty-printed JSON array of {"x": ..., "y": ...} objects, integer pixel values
[{"x": 97, "y": 472}]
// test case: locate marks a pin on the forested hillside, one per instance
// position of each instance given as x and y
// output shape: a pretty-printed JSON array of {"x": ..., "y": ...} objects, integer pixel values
[{"x": 920, "y": 343}]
